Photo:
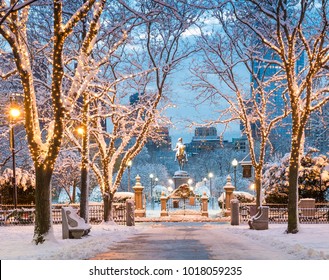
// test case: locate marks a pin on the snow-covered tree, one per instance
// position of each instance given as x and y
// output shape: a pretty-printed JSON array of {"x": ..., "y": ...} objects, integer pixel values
[
  {"x": 143, "y": 171},
  {"x": 67, "y": 172},
  {"x": 68, "y": 78},
  {"x": 292, "y": 38},
  {"x": 149, "y": 54},
  {"x": 229, "y": 50},
  {"x": 131, "y": 126},
  {"x": 14, "y": 6},
  {"x": 292, "y": 30},
  {"x": 313, "y": 180},
  {"x": 218, "y": 161}
]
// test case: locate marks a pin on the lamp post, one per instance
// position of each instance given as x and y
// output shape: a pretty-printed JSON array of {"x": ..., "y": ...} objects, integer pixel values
[
  {"x": 14, "y": 113},
  {"x": 129, "y": 164},
  {"x": 234, "y": 164},
  {"x": 155, "y": 183},
  {"x": 151, "y": 178},
  {"x": 84, "y": 176},
  {"x": 210, "y": 175}
]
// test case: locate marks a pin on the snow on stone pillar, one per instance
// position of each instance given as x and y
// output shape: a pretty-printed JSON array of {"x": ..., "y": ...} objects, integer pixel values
[
  {"x": 138, "y": 188},
  {"x": 204, "y": 202},
  {"x": 229, "y": 188},
  {"x": 235, "y": 219},
  {"x": 163, "y": 200},
  {"x": 130, "y": 212}
]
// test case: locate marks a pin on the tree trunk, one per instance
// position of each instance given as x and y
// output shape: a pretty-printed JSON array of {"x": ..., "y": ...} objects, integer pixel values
[
  {"x": 258, "y": 186},
  {"x": 108, "y": 207},
  {"x": 42, "y": 203},
  {"x": 74, "y": 189},
  {"x": 84, "y": 203},
  {"x": 293, "y": 221},
  {"x": 84, "y": 199}
]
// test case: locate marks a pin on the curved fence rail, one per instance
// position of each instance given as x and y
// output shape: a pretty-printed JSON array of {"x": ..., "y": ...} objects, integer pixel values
[{"x": 24, "y": 214}]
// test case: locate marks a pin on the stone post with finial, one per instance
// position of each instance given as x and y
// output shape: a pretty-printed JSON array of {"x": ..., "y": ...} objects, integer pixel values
[
  {"x": 164, "y": 210},
  {"x": 139, "y": 207},
  {"x": 204, "y": 202},
  {"x": 229, "y": 188}
]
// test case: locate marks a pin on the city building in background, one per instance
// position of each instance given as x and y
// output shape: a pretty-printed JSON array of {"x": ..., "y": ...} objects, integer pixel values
[
  {"x": 204, "y": 139},
  {"x": 316, "y": 132}
]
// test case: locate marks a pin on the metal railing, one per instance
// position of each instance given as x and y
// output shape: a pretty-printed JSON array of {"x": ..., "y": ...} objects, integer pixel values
[
  {"x": 25, "y": 215},
  {"x": 278, "y": 213},
  {"x": 184, "y": 206}
]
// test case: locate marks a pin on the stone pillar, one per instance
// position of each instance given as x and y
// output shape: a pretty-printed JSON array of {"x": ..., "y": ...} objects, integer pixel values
[
  {"x": 235, "y": 219},
  {"x": 130, "y": 212},
  {"x": 204, "y": 203},
  {"x": 138, "y": 188},
  {"x": 229, "y": 188},
  {"x": 164, "y": 211}
]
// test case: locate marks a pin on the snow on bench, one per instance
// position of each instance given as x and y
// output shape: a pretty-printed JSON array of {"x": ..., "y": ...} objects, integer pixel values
[{"x": 73, "y": 226}]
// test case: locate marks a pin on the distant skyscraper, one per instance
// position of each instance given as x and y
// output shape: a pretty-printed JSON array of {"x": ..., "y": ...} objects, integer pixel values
[
  {"x": 317, "y": 130},
  {"x": 269, "y": 74}
]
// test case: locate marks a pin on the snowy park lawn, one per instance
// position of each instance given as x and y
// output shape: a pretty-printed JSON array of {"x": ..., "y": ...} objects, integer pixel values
[{"x": 15, "y": 243}]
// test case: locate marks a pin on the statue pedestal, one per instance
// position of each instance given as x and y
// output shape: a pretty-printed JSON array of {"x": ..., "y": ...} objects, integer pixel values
[{"x": 180, "y": 177}]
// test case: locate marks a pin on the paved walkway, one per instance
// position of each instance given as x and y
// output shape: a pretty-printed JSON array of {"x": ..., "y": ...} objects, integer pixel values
[{"x": 189, "y": 241}]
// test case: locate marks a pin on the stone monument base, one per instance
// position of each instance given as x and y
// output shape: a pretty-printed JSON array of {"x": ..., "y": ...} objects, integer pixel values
[{"x": 180, "y": 177}]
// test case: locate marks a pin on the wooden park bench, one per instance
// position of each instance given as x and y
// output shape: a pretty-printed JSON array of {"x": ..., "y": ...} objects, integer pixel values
[
  {"x": 73, "y": 226},
  {"x": 260, "y": 220}
]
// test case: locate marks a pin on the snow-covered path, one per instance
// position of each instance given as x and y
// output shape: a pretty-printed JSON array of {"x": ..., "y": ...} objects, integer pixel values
[
  {"x": 193, "y": 241},
  {"x": 196, "y": 240},
  {"x": 168, "y": 245}
]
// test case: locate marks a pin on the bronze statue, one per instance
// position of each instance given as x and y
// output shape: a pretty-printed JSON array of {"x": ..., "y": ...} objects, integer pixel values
[{"x": 181, "y": 155}]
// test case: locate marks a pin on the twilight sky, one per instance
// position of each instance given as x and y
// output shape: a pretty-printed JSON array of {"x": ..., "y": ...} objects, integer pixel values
[{"x": 187, "y": 110}]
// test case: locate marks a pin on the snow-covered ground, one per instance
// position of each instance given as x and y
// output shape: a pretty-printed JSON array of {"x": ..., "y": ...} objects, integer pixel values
[{"x": 310, "y": 243}]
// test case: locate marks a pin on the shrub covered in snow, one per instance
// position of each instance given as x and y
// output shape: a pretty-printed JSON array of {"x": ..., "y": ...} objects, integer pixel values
[
  {"x": 96, "y": 196},
  {"x": 243, "y": 197},
  {"x": 25, "y": 186},
  {"x": 313, "y": 178}
]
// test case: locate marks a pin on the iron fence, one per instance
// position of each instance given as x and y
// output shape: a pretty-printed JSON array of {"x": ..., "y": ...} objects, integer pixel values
[
  {"x": 184, "y": 206},
  {"x": 278, "y": 213},
  {"x": 25, "y": 215}
]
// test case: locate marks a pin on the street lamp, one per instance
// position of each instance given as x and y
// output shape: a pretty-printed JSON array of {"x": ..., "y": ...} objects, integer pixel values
[
  {"x": 129, "y": 164},
  {"x": 211, "y": 175},
  {"x": 80, "y": 130},
  {"x": 234, "y": 164},
  {"x": 252, "y": 187},
  {"x": 14, "y": 113},
  {"x": 151, "y": 177}
]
